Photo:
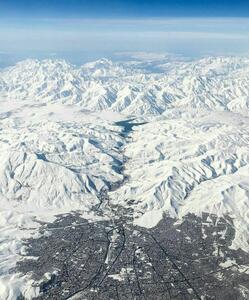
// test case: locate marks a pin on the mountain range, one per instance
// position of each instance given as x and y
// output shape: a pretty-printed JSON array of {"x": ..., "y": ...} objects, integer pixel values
[{"x": 61, "y": 145}]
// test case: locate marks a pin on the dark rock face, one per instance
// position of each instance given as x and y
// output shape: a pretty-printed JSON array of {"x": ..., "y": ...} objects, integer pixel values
[{"x": 115, "y": 260}]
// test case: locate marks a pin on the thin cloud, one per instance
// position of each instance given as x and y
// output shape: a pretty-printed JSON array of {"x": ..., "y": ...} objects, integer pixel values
[{"x": 187, "y": 36}]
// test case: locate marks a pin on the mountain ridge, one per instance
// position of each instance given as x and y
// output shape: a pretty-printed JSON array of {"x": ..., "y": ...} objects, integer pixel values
[{"x": 218, "y": 83}]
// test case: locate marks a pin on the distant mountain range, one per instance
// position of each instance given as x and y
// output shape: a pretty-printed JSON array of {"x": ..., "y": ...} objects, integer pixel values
[{"x": 133, "y": 87}]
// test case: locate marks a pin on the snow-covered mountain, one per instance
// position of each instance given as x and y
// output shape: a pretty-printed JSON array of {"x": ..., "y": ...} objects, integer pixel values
[
  {"x": 133, "y": 87},
  {"x": 53, "y": 159},
  {"x": 60, "y": 147},
  {"x": 190, "y": 165}
]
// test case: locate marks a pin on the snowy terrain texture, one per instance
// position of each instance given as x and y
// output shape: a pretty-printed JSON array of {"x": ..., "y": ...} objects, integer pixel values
[{"x": 59, "y": 144}]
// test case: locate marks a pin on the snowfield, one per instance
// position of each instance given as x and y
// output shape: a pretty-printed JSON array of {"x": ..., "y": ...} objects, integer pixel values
[{"x": 59, "y": 146}]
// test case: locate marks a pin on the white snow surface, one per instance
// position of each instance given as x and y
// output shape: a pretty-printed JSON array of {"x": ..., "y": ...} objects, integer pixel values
[{"x": 59, "y": 146}]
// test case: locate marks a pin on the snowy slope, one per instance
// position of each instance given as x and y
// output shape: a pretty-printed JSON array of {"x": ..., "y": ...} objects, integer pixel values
[
  {"x": 46, "y": 161},
  {"x": 53, "y": 159},
  {"x": 190, "y": 165}
]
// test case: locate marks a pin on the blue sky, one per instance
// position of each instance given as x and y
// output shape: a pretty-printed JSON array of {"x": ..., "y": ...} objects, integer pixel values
[
  {"x": 125, "y": 8},
  {"x": 85, "y": 30}
]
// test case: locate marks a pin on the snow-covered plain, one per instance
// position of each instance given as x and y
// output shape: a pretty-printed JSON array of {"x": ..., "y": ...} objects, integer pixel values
[{"x": 59, "y": 146}]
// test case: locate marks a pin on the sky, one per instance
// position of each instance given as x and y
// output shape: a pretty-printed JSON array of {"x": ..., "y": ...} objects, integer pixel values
[
  {"x": 125, "y": 8},
  {"x": 86, "y": 30}
]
